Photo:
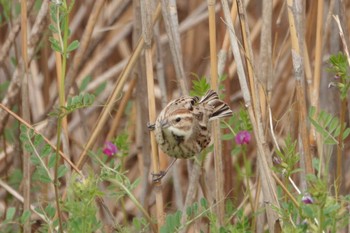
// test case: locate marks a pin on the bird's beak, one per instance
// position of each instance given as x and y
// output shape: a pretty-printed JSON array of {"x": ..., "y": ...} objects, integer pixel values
[{"x": 164, "y": 124}]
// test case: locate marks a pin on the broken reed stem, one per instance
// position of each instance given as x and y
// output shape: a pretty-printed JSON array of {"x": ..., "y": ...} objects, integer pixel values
[{"x": 294, "y": 25}]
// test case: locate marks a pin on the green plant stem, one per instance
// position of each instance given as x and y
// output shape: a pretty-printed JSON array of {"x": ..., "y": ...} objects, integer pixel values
[
  {"x": 247, "y": 176},
  {"x": 58, "y": 145},
  {"x": 62, "y": 100},
  {"x": 136, "y": 202},
  {"x": 320, "y": 228}
]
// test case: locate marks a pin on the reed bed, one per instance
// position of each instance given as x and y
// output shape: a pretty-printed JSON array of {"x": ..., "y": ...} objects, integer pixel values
[{"x": 80, "y": 81}]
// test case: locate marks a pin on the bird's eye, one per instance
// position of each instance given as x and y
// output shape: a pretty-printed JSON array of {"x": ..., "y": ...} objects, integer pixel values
[{"x": 178, "y": 119}]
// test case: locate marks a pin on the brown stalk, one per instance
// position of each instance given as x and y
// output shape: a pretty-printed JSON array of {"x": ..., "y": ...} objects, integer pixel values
[
  {"x": 249, "y": 55},
  {"x": 45, "y": 139},
  {"x": 5, "y": 48},
  {"x": 14, "y": 85},
  {"x": 268, "y": 184},
  {"x": 191, "y": 193},
  {"x": 219, "y": 177},
  {"x": 339, "y": 171},
  {"x": 147, "y": 34},
  {"x": 117, "y": 90},
  {"x": 84, "y": 42},
  {"x": 315, "y": 88},
  {"x": 170, "y": 19},
  {"x": 142, "y": 139},
  {"x": 26, "y": 113},
  {"x": 295, "y": 32},
  {"x": 121, "y": 109}
]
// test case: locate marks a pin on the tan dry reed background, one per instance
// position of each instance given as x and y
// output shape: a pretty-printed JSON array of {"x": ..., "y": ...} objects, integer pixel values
[{"x": 274, "y": 55}]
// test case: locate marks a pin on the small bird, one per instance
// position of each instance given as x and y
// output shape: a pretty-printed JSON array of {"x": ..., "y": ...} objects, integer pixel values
[{"x": 183, "y": 127}]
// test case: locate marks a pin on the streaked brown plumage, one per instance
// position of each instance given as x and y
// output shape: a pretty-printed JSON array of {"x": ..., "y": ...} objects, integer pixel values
[{"x": 182, "y": 128}]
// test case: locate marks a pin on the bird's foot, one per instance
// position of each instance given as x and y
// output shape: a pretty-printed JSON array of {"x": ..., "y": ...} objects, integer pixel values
[
  {"x": 150, "y": 126},
  {"x": 157, "y": 177}
]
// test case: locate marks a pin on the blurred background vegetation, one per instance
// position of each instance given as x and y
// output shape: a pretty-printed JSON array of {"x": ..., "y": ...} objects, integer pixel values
[{"x": 96, "y": 72}]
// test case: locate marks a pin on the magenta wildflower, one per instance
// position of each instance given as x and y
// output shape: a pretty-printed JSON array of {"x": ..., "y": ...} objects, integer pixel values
[
  {"x": 110, "y": 149},
  {"x": 307, "y": 199},
  {"x": 243, "y": 137}
]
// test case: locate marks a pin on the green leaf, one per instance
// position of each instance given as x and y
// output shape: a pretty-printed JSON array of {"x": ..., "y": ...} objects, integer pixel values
[
  {"x": 62, "y": 169},
  {"x": 72, "y": 46},
  {"x": 52, "y": 28},
  {"x": 10, "y": 213},
  {"x": 41, "y": 175},
  {"x": 35, "y": 160},
  {"x": 346, "y": 133},
  {"x": 100, "y": 88},
  {"x": 46, "y": 151},
  {"x": 204, "y": 203},
  {"x": 85, "y": 83},
  {"x": 55, "y": 45},
  {"x": 227, "y": 137},
  {"x": 38, "y": 139},
  {"x": 52, "y": 161},
  {"x": 25, "y": 216},
  {"x": 200, "y": 86},
  {"x": 308, "y": 211},
  {"x": 50, "y": 210}
]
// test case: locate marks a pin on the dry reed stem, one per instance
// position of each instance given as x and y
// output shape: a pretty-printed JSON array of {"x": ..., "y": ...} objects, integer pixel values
[
  {"x": 191, "y": 193},
  {"x": 5, "y": 48},
  {"x": 294, "y": 16},
  {"x": 219, "y": 176},
  {"x": 147, "y": 34},
  {"x": 18, "y": 196},
  {"x": 121, "y": 110},
  {"x": 45, "y": 139},
  {"x": 14, "y": 85},
  {"x": 170, "y": 19},
  {"x": 249, "y": 57},
  {"x": 25, "y": 113},
  {"x": 110, "y": 102},
  {"x": 315, "y": 139},
  {"x": 339, "y": 172},
  {"x": 84, "y": 42},
  {"x": 268, "y": 185}
]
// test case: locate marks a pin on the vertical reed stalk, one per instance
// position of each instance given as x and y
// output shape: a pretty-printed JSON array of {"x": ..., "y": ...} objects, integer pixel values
[
  {"x": 147, "y": 34},
  {"x": 315, "y": 88},
  {"x": 117, "y": 90},
  {"x": 294, "y": 16},
  {"x": 25, "y": 113},
  {"x": 343, "y": 108},
  {"x": 219, "y": 178},
  {"x": 268, "y": 184}
]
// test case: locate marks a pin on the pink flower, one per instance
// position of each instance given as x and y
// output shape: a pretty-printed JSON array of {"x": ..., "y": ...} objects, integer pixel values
[
  {"x": 307, "y": 199},
  {"x": 110, "y": 149},
  {"x": 243, "y": 137}
]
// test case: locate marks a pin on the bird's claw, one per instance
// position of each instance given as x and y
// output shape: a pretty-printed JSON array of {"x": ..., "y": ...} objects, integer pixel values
[
  {"x": 150, "y": 126},
  {"x": 157, "y": 177}
]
